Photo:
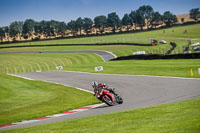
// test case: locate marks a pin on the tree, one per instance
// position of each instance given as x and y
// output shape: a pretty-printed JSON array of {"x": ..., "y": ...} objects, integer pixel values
[
  {"x": 6, "y": 30},
  {"x": 15, "y": 29},
  {"x": 100, "y": 23},
  {"x": 169, "y": 19},
  {"x": 126, "y": 21},
  {"x": 72, "y": 27},
  {"x": 133, "y": 18},
  {"x": 87, "y": 25},
  {"x": 2, "y": 34},
  {"x": 61, "y": 28},
  {"x": 37, "y": 29},
  {"x": 52, "y": 27},
  {"x": 113, "y": 21},
  {"x": 28, "y": 28},
  {"x": 139, "y": 19},
  {"x": 147, "y": 13},
  {"x": 156, "y": 19},
  {"x": 195, "y": 14},
  {"x": 79, "y": 25},
  {"x": 44, "y": 28}
]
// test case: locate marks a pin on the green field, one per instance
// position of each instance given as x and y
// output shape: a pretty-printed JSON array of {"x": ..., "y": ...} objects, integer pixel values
[
  {"x": 180, "y": 117},
  {"x": 22, "y": 99},
  {"x": 19, "y": 63},
  {"x": 119, "y": 50},
  {"x": 175, "y": 68},
  {"x": 123, "y": 50},
  {"x": 32, "y": 99}
]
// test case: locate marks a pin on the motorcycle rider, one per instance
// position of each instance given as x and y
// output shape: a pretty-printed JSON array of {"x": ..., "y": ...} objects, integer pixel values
[
  {"x": 98, "y": 91},
  {"x": 98, "y": 86}
]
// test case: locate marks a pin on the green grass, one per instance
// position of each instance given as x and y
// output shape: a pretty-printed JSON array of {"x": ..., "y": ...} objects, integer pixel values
[
  {"x": 177, "y": 117},
  {"x": 119, "y": 50},
  {"x": 173, "y": 67},
  {"x": 123, "y": 50},
  {"x": 18, "y": 63},
  {"x": 22, "y": 99},
  {"x": 16, "y": 94}
]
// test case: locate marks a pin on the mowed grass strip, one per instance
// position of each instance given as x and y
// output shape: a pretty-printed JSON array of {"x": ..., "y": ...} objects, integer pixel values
[
  {"x": 180, "y": 117},
  {"x": 20, "y": 63},
  {"x": 22, "y": 99},
  {"x": 119, "y": 50},
  {"x": 16, "y": 63}
]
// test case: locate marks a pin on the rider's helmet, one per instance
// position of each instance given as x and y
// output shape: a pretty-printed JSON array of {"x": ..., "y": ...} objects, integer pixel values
[
  {"x": 94, "y": 84},
  {"x": 102, "y": 85}
]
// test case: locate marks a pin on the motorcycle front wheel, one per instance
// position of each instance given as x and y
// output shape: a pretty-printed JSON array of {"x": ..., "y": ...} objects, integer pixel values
[{"x": 119, "y": 100}]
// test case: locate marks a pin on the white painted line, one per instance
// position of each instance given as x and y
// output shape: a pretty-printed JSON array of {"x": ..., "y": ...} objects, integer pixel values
[
  {"x": 53, "y": 82},
  {"x": 111, "y": 53},
  {"x": 57, "y": 115},
  {"x": 20, "y": 76},
  {"x": 80, "y": 110},
  {"x": 25, "y": 122},
  {"x": 84, "y": 90},
  {"x": 100, "y": 56},
  {"x": 98, "y": 105}
]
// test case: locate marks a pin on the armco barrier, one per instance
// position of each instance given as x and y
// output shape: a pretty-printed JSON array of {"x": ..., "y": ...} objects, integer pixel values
[{"x": 156, "y": 56}]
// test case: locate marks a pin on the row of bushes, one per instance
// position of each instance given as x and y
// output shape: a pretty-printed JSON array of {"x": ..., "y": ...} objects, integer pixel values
[{"x": 157, "y": 56}]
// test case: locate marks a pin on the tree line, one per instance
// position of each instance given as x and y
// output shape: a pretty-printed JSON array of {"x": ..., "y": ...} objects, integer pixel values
[{"x": 144, "y": 16}]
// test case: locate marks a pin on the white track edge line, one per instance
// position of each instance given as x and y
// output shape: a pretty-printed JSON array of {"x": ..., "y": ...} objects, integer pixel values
[
  {"x": 100, "y": 56},
  {"x": 53, "y": 82}
]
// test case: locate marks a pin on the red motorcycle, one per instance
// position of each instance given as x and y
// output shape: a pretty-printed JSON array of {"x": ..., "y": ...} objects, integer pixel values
[{"x": 108, "y": 96}]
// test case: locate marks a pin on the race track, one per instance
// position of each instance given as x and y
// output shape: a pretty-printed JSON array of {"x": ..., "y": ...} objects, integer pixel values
[{"x": 137, "y": 91}]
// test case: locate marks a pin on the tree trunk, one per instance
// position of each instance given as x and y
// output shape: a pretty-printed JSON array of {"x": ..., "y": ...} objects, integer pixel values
[
  {"x": 80, "y": 31},
  {"x": 141, "y": 27},
  {"x": 135, "y": 27}
]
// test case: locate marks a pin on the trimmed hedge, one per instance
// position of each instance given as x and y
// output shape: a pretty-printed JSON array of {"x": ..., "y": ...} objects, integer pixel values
[{"x": 157, "y": 56}]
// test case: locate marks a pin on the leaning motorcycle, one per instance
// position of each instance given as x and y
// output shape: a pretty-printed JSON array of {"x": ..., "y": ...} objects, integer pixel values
[{"x": 107, "y": 96}]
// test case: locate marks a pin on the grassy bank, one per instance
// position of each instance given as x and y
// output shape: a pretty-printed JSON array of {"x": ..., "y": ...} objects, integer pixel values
[
  {"x": 119, "y": 50},
  {"x": 22, "y": 99},
  {"x": 173, "y": 34},
  {"x": 173, "y": 67},
  {"x": 177, "y": 117},
  {"x": 18, "y": 63}
]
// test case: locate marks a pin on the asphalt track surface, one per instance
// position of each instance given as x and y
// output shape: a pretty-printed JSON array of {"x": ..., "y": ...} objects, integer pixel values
[
  {"x": 137, "y": 91},
  {"x": 105, "y": 55}
]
